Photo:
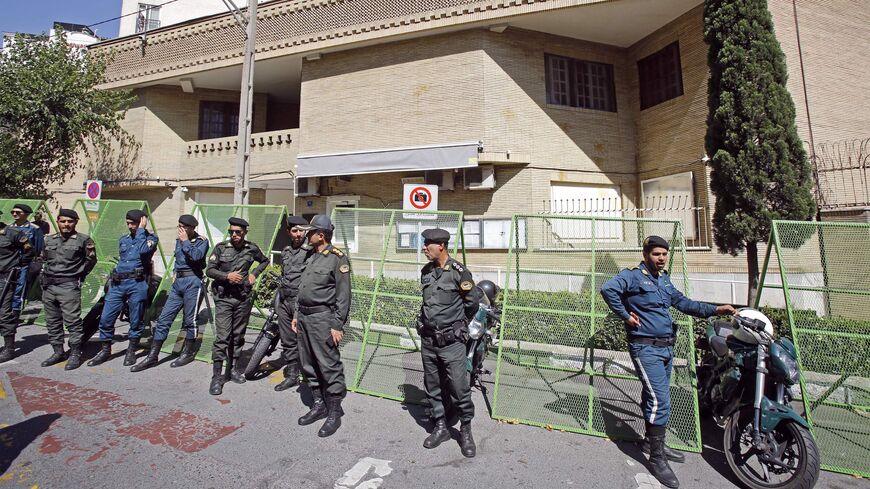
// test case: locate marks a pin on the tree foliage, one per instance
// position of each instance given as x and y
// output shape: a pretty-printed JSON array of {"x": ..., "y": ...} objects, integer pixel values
[
  {"x": 759, "y": 166},
  {"x": 52, "y": 116}
]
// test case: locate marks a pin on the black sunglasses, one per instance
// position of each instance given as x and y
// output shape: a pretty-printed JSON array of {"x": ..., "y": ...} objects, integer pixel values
[{"x": 237, "y": 231}]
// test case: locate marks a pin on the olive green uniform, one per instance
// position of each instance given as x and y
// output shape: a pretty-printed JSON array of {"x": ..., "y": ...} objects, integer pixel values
[
  {"x": 323, "y": 304},
  {"x": 13, "y": 244},
  {"x": 232, "y": 302},
  {"x": 292, "y": 264},
  {"x": 449, "y": 298},
  {"x": 66, "y": 263}
]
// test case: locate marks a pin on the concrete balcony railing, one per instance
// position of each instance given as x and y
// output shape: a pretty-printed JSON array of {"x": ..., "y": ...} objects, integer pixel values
[{"x": 273, "y": 151}]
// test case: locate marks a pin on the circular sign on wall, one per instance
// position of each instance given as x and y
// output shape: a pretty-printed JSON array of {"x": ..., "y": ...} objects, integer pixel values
[
  {"x": 421, "y": 198},
  {"x": 94, "y": 189}
]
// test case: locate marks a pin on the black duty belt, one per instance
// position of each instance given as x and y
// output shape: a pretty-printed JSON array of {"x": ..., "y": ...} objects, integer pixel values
[
  {"x": 186, "y": 273},
  {"x": 657, "y": 341},
  {"x": 441, "y": 327},
  {"x": 46, "y": 280},
  {"x": 313, "y": 309}
]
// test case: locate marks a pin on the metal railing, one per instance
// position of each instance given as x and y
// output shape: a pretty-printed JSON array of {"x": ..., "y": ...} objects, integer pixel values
[
  {"x": 842, "y": 172},
  {"x": 696, "y": 224}
]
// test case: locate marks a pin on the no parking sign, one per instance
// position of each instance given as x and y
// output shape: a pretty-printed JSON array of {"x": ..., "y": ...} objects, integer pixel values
[{"x": 93, "y": 191}]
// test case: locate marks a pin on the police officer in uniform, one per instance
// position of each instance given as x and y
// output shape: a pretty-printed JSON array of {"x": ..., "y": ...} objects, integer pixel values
[
  {"x": 129, "y": 283},
  {"x": 229, "y": 266},
  {"x": 13, "y": 245},
  {"x": 187, "y": 277},
  {"x": 292, "y": 262},
  {"x": 322, "y": 309},
  {"x": 34, "y": 233},
  {"x": 67, "y": 259},
  {"x": 642, "y": 298},
  {"x": 449, "y": 300}
]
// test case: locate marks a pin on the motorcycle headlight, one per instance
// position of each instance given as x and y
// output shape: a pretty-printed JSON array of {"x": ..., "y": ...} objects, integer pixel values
[{"x": 784, "y": 365}]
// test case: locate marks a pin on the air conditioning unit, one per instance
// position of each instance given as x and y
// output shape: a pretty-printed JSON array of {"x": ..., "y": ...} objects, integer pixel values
[
  {"x": 442, "y": 178},
  {"x": 480, "y": 177},
  {"x": 413, "y": 180},
  {"x": 307, "y": 186}
]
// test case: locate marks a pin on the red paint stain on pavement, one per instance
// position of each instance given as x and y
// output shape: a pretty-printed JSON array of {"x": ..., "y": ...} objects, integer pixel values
[
  {"x": 180, "y": 430},
  {"x": 50, "y": 444},
  {"x": 176, "y": 429},
  {"x": 100, "y": 454},
  {"x": 223, "y": 401}
]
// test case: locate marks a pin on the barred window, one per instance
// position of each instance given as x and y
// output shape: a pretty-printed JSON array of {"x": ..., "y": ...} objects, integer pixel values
[
  {"x": 660, "y": 76},
  {"x": 578, "y": 83},
  {"x": 218, "y": 119},
  {"x": 149, "y": 17}
]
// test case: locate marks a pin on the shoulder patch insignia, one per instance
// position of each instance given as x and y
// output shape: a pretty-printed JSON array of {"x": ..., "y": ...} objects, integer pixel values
[
  {"x": 644, "y": 272},
  {"x": 212, "y": 258},
  {"x": 466, "y": 285},
  {"x": 344, "y": 268}
]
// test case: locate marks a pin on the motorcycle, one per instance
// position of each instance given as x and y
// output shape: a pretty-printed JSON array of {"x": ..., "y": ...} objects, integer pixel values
[
  {"x": 745, "y": 379},
  {"x": 482, "y": 328},
  {"x": 266, "y": 342}
]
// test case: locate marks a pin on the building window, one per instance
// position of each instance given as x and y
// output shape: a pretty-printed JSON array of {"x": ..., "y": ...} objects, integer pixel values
[
  {"x": 478, "y": 234},
  {"x": 148, "y": 18},
  {"x": 660, "y": 76},
  {"x": 218, "y": 119},
  {"x": 585, "y": 201},
  {"x": 672, "y": 197},
  {"x": 577, "y": 83}
]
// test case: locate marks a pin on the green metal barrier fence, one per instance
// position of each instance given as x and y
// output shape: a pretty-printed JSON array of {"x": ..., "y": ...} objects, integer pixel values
[
  {"x": 105, "y": 222},
  {"x": 381, "y": 349},
  {"x": 820, "y": 269},
  {"x": 562, "y": 358},
  {"x": 39, "y": 207},
  {"x": 265, "y": 223}
]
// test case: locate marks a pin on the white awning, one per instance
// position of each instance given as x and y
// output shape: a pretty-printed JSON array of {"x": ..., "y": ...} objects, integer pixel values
[{"x": 417, "y": 158}]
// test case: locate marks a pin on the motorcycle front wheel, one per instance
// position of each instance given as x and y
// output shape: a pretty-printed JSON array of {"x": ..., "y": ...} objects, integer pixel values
[
  {"x": 792, "y": 464},
  {"x": 261, "y": 349}
]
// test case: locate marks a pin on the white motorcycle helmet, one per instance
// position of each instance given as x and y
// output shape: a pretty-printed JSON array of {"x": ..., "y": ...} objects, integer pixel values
[{"x": 745, "y": 334}]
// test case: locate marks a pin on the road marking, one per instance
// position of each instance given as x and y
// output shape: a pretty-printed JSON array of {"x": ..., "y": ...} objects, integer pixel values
[
  {"x": 646, "y": 481},
  {"x": 353, "y": 476},
  {"x": 2, "y": 391}
]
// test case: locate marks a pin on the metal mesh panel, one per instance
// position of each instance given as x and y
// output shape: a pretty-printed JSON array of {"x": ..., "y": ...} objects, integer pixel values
[
  {"x": 562, "y": 360},
  {"x": 822, "y": 275},
  {"x": 265, "y": 222},
  {"x": 381, "y": 349}
]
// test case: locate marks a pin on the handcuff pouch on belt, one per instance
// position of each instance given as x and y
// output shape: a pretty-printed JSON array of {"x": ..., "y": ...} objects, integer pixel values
[
  {"x": 444, "y": 335},
  {"x": 137, "y": 274}
]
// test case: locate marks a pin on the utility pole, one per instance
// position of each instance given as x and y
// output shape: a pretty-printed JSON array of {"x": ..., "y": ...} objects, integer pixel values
[{"x": 248, "y": 22}]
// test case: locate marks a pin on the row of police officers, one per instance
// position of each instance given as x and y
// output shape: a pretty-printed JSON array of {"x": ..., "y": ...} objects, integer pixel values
[{"x": 313, "y": 306}]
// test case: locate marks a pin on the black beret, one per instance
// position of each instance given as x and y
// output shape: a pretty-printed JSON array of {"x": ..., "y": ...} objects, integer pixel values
[
  {"x": 293, "y": 221},
  {"x": 188, "y": 220},
  {"x": 68, "y": 213},
  {"x": 135, "y": 215},
  {"x": 23, "y": 208},
  {"x": 238, "y": 221},
  {"x": 655, "y": 242},
  {"x": 436, "y": 235}
]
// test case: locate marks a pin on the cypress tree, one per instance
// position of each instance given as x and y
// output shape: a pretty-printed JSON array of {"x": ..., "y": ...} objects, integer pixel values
[{"x": 759, "y": 166}]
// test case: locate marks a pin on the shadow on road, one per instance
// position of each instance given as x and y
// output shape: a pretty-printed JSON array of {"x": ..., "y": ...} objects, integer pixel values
[{"x": 15, "y": 438}]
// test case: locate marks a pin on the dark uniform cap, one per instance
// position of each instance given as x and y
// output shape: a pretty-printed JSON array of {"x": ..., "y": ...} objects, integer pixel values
[
  {"x": 188, "y": 220},
  {"x": 655, "y": 242},
  {"x": 68, "y": 213},
  {"x": 320, "y": 222},
  {"x": 436, "y": 235},
  {"x": 135, "y": 215},
  {"x": 294, "y": 221},
  {"x": 24, "y": 208},
  {"x": 238, "y": 221}
]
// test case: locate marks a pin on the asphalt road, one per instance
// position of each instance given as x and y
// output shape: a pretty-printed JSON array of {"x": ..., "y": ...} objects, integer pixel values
[{"x": 105, "y": 427}]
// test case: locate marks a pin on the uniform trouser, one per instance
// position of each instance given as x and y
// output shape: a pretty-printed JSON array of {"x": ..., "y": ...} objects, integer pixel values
[
  {"x": 8, "y": 317},
  {"x": 63, "y": 305},
  {"x": 446, "y": 363},
  {"x": 135, "y": 293},
  {"x": 231, "y": 315},
  {"x": 654, "y": 365},
  {"x": 20, "y": 289},
  {"x": 320, "y": 358},
  {"x": 184, "y": 293},
  {"x": 289, "y": 340}
]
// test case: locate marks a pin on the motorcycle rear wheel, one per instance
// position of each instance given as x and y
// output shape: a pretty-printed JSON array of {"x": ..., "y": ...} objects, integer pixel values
[{"x": 798, "y": 452}]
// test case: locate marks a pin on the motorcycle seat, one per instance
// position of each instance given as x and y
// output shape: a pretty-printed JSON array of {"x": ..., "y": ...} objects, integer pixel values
[{"x": 719, "y": 346}]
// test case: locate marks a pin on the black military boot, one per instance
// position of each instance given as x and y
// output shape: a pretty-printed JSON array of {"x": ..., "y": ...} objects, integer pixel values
[
  {"x": 439, "y": 434},
  {"x": 466, "y": 441},
  {"x": 672, "y": 455},
  {"x": 58, "y": 356},
  {"x": 130, "y": 357},
  {"x": 658, "y": 463},
  {"x": 103, "y": 355},
  {"x": 75, "y": 358},
  {"x": 333, "y": 417},
  {"x": 187, "y": 354},
  {"x": 152, "y": 358},
  {"x": 8, "y": 351},
  {"x": 318, "y": 410},
  {"x": 291, "y": 377},
  {"x": 217, "y": 379},
  {"x": 235, "y": 374}
]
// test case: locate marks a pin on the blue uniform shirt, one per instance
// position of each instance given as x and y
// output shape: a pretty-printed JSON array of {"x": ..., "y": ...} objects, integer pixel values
[
  {"x": 190, "y": 252},
  {"x": 650, "y": 297},
  {"x": 37, "y": 240},
  {"x": 135, "y": 250}
]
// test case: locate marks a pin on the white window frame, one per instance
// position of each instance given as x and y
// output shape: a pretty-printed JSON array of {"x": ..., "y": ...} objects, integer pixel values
[{"x": 349, "y": 201}]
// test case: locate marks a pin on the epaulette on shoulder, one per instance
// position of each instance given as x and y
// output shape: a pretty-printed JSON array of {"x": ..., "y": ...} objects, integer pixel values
[
  {"x": 459, "y": 268},
  {"x": 337, "y": 252}
]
